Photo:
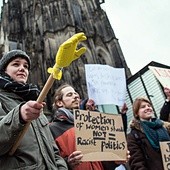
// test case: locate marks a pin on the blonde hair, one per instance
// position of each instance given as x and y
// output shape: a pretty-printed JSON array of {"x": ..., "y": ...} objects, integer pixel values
[{"x": 137, "y": 103}]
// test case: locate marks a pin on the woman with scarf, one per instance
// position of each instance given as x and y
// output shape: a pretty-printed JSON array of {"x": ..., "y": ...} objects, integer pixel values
[
  {"x": 37, "y": 149},
  {"x": 144, "y": 137}
]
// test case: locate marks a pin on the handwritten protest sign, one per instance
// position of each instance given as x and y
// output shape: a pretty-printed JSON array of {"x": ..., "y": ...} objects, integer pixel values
[
  {"x": 165, "y": 151},
  {"x": 105, "y": 84},
  {"x": 162, "y": 74},
  {"x": 100, "y": 136}
]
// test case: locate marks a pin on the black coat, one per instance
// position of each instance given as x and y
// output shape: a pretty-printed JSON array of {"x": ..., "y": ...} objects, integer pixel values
[
  {"x": 165, "y": 112},
  {"x": 143, "y": 156}
]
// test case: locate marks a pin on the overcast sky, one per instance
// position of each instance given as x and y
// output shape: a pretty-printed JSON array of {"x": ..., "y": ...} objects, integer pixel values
[{"x": 143, "y": 30}]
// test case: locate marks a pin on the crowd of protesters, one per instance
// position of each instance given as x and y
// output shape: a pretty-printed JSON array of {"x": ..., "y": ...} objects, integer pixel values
[{"x": 51, "y": 145}]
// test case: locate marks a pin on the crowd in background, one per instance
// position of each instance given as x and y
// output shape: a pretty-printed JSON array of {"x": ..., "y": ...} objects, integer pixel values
[{"x": 51, "y": 145}]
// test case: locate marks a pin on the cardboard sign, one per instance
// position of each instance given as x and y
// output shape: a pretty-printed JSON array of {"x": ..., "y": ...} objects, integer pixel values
[
  {"x": 162, "y": 74},
  {"x": 100, "y": 136},
  {"x": 165, "y": 151}
]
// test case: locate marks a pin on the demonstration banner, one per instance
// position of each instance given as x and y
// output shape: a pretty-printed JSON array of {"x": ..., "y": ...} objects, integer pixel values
[
  {"x": 165, "y": 151},
  {"x": 100, "y": 136},
  {"x": 162, "y": 74}
]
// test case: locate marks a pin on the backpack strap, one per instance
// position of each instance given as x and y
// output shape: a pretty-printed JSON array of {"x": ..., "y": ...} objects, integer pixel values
[{"x": 140, "y": 142}]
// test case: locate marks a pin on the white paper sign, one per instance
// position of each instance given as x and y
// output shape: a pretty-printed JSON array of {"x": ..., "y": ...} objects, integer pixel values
[{"x": 106, "y": 84}]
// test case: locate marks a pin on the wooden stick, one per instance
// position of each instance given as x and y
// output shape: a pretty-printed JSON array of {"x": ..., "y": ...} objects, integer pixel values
[
  {"x": 41, "y": 98},
  {"x": 63, "y": 61}
]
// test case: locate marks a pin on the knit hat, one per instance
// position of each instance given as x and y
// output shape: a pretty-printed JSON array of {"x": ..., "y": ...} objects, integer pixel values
[{"x": 11, "y": 55}]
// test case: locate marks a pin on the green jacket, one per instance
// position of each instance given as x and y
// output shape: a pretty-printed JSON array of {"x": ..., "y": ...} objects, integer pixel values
[{"x": 37, "y": 150}]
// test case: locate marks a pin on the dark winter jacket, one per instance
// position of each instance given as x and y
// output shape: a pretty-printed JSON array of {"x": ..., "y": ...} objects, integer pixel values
[
  {"x": 165, "y": 112},
  {"x": 143, "y": 156},
  {"x": 35, "y": 152}
]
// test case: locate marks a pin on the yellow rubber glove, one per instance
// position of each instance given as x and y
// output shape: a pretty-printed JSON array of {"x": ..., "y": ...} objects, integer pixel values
[{"x": 66, "y": 54}]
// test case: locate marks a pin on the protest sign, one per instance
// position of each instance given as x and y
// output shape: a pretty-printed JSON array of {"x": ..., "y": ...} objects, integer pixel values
[
  {"x": 165, "y": 151},
  {"x": 162, "y": 74},
  {"x": 106, "y": 84},
  {"x": 100, "y": 136}
]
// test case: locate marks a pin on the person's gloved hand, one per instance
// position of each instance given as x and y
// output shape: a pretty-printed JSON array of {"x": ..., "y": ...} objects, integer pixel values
[{"x": 67, "y": 53}]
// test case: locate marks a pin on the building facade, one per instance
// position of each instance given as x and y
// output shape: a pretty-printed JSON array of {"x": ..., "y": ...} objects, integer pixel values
[
  {"x": 144, "y": 83},
  {"x": 40, "y": 26}
]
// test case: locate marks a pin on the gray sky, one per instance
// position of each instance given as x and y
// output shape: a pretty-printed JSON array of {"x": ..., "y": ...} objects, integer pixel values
[
  {"x": 143, "y": 30},
  {"x": 1, "y": 4}
]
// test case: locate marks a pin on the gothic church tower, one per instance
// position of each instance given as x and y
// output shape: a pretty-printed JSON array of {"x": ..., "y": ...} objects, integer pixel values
[{"x": 40, "y": 26}]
